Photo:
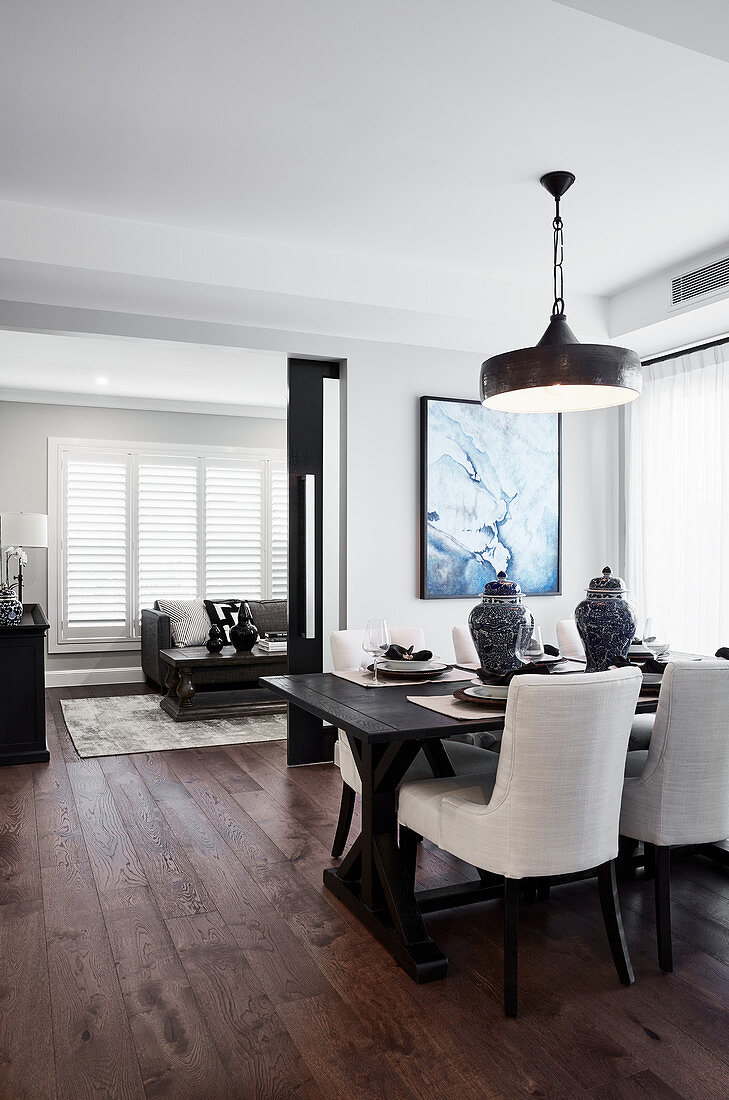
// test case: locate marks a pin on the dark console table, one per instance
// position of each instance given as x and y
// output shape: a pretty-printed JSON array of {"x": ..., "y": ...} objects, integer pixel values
[{"x": 23, "y": 688}]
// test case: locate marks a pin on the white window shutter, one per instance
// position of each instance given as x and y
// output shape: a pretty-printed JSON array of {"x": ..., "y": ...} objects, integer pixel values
[
  {"x": 96, "y": 553},
  {"x": 234, "y": 530},
  {"x": 168, "y": 530},
  {"x": 279, "y": 531}
]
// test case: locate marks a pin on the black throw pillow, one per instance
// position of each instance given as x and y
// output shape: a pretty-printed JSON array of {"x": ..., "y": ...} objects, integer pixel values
[{"x": 223, "y": 613}]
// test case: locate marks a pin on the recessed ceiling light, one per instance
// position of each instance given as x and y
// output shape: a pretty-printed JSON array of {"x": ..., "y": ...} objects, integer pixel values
[{"x": 102, "y": 381}]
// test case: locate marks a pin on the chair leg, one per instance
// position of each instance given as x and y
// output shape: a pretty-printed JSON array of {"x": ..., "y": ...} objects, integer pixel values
[
  {"x": 649, "y": 860},
  {"x": 610, "y": 903},
  {"x": 408, "y": 843},
  {"x": 511, "y": 946},
  {"x": 346, "y": 809},
  {"x": 543, "y": 889},
  {"x": 663, "y": 908}
]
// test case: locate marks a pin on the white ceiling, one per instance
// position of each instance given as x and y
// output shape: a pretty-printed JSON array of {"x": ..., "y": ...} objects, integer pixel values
[
  {"x": 150, "y": 372},
  {"x": 414, "y": 131}
]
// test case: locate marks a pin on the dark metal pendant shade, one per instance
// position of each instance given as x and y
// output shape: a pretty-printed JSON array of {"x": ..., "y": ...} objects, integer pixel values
[{"x": 560, "y": 374}]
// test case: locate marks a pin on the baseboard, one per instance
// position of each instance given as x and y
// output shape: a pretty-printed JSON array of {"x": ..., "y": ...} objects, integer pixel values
[{"x": 81, "y": 677}]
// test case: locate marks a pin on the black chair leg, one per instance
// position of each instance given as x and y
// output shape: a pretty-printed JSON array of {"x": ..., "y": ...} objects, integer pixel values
[
  {"x": 543, "y": 889},
  {"x": 511, "y": 946},
  {"x": 610, "y": 903},
  {"x": 408, "y": 842},
  {"x": 346, "y": 809},
  {"x": 663, "y": 908},
  {"x": 649, "y": 860}
]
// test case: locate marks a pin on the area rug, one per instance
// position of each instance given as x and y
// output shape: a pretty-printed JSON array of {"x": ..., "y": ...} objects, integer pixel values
[{"x": 136, "y": 723}]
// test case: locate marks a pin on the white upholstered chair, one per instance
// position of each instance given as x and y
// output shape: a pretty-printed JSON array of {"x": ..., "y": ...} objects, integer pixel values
[
  {"x": 347, "y": 653},
  {"x": 677, "y": 791},
  {"x": 552, "y": 806},
  {"x": 463, "y": 646},
  {"x": 570, "y": 645}
]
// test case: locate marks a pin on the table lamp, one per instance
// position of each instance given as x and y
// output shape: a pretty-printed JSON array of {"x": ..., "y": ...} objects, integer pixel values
[{"x": 21, "y": 529}]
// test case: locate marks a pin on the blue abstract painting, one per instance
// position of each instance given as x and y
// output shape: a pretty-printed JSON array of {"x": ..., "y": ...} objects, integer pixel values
[{"x": 491, "y": 499}]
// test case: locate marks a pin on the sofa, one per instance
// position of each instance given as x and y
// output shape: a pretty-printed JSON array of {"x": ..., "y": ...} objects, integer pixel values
[{"x": 157, "y": 635}]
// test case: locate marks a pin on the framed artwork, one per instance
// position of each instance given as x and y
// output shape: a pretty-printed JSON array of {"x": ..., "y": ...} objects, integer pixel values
[{"x": 490, "y": 499}]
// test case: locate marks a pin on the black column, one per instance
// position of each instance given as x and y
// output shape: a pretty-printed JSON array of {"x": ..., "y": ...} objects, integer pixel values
[{"x": 309, "y": 741}]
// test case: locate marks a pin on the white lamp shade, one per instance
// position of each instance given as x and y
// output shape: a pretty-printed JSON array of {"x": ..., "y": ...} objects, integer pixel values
[{"x": 23, "y": 529}]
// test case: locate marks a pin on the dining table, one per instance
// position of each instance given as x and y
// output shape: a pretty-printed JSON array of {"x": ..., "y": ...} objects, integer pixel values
[{"x": 386, "y": 732}]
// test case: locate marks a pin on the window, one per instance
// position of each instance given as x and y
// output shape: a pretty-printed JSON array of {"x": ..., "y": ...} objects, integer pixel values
[
  {"x": 133, "y": 524},
  {"x": 677, "y": 498}
]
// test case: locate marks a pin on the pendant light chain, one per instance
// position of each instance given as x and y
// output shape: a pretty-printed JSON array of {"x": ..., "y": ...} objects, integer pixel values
[{"x": 558, "y": 272}]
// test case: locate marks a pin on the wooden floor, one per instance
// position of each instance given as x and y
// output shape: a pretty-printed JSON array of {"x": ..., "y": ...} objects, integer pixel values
[{"x": 164, "y": 932}]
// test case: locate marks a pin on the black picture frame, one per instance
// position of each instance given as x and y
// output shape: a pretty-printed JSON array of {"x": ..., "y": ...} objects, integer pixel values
[{"x": 423, "y": 593}]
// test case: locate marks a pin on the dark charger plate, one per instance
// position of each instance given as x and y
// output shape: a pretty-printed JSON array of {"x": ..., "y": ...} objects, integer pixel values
[{"x": 388, "y": 674}]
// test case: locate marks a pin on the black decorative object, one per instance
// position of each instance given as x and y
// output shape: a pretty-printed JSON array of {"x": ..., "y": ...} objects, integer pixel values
[
  {"x": 244, "y": 636},
  {"x": 11, "y": 609},
  {"x": 560, "y": 374},
  {"x": 498, "y": 623},
  {"x": 605, "y": 621},
  {"x": 215, "y": 640}
]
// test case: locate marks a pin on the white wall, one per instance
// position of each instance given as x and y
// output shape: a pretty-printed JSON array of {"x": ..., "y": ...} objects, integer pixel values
[
  {"x": 24, "y": 432},
  {"x": 383, "y": 443}
]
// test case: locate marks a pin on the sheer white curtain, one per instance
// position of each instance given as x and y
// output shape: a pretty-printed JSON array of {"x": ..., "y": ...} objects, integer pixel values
[{"x": 677, "y": 498}]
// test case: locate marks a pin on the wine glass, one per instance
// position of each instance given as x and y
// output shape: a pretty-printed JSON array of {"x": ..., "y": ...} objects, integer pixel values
[
  {"x": 655, "y": 636},
  {"x": 529, "y": 644},
  {"x": 376, "y": 640}
]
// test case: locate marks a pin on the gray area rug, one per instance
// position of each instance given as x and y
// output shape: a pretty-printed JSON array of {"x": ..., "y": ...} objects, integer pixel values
[{"x": 136, "y": 723}]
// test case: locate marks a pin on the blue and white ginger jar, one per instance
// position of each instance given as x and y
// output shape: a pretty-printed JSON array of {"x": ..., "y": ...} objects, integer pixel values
[
  {"x": 498, "y": 623},
  {"x": 605, "y": 621},
  {"x": 11, "y": 609}
]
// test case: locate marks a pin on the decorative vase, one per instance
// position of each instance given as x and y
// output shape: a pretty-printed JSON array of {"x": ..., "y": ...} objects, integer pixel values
[
  {"x": 498, "y": 623},
  {"x": 605, "y": 621},
  {"x": 244, "y": 636},
  {"x": 215, "y": 641},
  {"x": 11, "y": 609}
]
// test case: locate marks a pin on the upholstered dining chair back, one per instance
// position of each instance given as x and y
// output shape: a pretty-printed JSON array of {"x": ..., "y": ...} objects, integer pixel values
[
  {"x": 463, "y": 646},
  {"x": 346, "y": 645},
  {"x": 569, "y": 640},
  {"x": 556, "y": 800},
  {"x": 681, "y": 795}
]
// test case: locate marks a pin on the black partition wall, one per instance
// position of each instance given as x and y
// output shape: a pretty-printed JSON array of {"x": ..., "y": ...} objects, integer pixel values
[{"x": 309, "y": 740}]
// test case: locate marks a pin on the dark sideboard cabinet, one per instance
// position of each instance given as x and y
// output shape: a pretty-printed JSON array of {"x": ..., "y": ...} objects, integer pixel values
[{"x": 22, "y": 689}]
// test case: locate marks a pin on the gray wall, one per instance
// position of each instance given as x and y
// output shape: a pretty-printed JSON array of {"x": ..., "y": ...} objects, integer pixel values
[{"x": 24, "y": 432}]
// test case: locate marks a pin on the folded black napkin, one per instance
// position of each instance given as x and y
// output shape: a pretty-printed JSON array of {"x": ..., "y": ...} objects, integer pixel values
[
  {"x": 551, "y": 651},
  {"x": 652, "y": 665},
  {"x": 492, "y": 679},
  {"x": 399, "y": 653},
  {"x": 619, "y": 662},
  {"x": 723, "y": 653}
]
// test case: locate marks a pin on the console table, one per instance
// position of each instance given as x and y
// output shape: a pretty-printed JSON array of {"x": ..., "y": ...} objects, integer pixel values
[{"x": 23, "y": 689}]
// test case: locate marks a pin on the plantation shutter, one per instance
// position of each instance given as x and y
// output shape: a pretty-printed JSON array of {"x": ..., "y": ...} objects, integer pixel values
[
  {"x": 96, "y": 561},
  {"x": 279, "y": 530},
  {"x": 234, "y": 529},
  {"x": 168, "y": 529}
]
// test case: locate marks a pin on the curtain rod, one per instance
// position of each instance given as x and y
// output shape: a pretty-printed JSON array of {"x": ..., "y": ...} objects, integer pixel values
[{"x": 686, "y": 351}]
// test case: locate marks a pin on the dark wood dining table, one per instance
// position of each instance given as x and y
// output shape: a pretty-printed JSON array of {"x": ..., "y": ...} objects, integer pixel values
[{"x": 386, "y": 732}]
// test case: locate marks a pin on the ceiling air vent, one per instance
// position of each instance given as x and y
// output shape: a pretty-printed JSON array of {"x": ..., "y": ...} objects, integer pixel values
[{"x": 702, "y": 280}]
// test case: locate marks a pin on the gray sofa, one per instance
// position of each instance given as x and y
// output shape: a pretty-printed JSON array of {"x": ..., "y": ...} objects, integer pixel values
[{"x": 157, "y": 635}]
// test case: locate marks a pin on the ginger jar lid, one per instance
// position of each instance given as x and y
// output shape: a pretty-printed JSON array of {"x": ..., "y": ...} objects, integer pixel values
[
  {"x": 502, "y": 590},
  {"x": 607, "y": 584}
]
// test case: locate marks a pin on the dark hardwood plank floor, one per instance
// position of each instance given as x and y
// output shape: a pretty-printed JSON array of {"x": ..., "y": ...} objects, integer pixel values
[{"x": 164, "y": 932}]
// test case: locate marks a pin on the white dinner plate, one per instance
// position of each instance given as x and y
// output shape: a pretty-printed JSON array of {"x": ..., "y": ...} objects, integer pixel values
[
  {"x": 413, "y": 666},
  {"x": 484, "y": 691}
]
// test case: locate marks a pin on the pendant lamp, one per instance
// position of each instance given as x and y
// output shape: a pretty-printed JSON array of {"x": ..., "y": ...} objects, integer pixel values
[{"x": 560, "y": 374}]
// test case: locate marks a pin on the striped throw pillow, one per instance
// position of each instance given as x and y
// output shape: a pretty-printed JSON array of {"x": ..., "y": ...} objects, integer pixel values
[{"x": 189, "y": 622}]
